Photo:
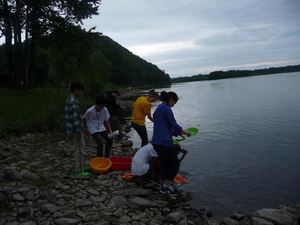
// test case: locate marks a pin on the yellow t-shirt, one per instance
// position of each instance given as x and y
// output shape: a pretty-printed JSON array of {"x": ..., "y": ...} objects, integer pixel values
[{"x": 141, "y": 108}]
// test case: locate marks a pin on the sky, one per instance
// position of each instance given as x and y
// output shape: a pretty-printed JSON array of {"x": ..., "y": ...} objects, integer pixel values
[{"x": 191, "y": 37}]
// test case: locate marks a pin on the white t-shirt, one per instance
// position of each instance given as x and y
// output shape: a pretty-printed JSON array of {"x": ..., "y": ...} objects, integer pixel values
[
  {"x": 140, "y": 165},
  {"x": 94, "y": 119}
]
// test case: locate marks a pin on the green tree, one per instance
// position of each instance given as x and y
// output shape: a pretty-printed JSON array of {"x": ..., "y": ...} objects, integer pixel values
[{"x": 36, "y": 19}]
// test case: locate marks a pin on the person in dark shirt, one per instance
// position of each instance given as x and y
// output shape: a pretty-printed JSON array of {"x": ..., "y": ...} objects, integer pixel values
[{"x": 114, "y": 109}]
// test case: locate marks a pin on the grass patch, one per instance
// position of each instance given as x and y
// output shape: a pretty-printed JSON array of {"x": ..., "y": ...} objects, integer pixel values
[{"x": 34, "y": 110}]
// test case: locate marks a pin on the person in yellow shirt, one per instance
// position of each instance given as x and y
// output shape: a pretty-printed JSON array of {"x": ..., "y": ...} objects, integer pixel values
[{"x": 140, "y": 109}]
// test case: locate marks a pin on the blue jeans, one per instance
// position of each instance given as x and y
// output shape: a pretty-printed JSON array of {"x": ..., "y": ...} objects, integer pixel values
[
  {"x": 142, "y": 132},
  {"x": 97, "y": 137}
]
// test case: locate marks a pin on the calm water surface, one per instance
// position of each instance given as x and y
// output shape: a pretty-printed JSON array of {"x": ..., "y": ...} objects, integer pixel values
[{"x": 247, "y": 152}]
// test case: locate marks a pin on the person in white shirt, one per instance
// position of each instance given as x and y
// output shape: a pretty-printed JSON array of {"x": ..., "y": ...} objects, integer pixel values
[
  {"x": 96, "y": 121},
  {"x": 145, "y": 163}
]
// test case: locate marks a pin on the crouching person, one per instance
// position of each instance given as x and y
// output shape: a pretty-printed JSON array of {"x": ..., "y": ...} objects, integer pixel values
[{"x": 145, "y": 165}]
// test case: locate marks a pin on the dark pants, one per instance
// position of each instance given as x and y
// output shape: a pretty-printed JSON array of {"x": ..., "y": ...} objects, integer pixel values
[
  {"x": 142, "y": 132},
  {"x": 97, "y": 137},
  {"x": 168, "y": 160}
]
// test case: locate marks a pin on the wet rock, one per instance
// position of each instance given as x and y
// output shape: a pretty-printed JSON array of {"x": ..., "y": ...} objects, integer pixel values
[
  {"x": 229, "y": 221},
  {"x": 260, "y": 221}
]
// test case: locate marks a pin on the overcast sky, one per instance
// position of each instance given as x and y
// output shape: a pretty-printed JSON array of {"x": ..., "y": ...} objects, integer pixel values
[{"x": 189, "y": 37}]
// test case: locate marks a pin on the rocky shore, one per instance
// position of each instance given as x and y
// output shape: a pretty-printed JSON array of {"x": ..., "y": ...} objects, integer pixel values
[{"x": 38, "y": 187}]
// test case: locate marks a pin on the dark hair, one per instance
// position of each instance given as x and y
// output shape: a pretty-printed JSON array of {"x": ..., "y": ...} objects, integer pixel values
[
  {"x": 167, "y": 96},
  {"x": 76, "y": 85},
  {"x": 153, "y": 94},
  {"x": 100, "y": 100}
]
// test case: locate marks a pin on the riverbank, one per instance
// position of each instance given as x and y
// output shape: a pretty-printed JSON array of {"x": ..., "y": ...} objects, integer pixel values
[{"x": 37, "y": 186}]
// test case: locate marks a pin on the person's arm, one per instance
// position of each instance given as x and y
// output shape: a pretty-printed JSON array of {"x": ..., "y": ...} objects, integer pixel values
[
  {"x": 150, "y": 117},
  {"x": 108, "y": 126},
  {"x": 76, "y": 118},
  {"x": 86, "y": 130}
]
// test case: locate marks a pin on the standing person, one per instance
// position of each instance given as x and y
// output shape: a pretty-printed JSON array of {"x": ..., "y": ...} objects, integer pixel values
[
  {"x": 165, "y": 126},
  {"x": 96, "y": 121},
  {"x": 74, "y": 125},
  {"x": 140, "y": 109},
  {"x": 113, "y": 109}
]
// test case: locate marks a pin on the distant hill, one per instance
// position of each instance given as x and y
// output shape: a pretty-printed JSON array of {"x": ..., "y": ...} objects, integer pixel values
[
  {"x": 237, "y": 73},
  {"x": 128, "y": 68},
  {"x": 88, "y": 57}
]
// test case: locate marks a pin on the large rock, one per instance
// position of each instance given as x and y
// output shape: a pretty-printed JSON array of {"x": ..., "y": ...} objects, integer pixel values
[
  {"x": 136, "y": 192},
  {"x": 229, "y": 221},
  {"x": 276, "y": 216},
  {"x": 49, "y": 208},
  {"x": 174, "y": 217},
  {"x": 260, "y": 221},
  {"x": 142, "y": 202},
  {"x": 117, "y": 201},
  {"x": 66, "y": 221}
]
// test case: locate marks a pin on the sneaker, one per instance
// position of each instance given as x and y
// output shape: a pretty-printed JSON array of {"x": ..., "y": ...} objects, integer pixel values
[
  {"x": 81, "y": 173},
  {"x": 169, "y": 190}
]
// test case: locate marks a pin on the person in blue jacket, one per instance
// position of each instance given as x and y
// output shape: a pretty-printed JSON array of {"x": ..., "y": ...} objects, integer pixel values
[{"x": 165, "y": 126}]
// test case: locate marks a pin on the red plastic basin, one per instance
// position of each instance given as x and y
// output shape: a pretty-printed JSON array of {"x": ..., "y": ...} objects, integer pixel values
[{"x": 120, "y": 163}]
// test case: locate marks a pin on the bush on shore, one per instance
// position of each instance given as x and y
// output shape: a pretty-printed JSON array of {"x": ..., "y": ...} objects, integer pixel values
[{"x": 34, "y": 110}]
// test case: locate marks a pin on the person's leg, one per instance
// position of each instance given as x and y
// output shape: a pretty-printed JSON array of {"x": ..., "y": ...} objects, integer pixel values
[
  {"x": 170, "y": 166},
  {"x": 78, "y": 154},
  {"x": 115, "y": 124},
  {"x": 109, "y": 143},
  {"x": 149, "y": 173},
  {"x": 160, "y": 153},
  {"x": 98, "y": 140},
  {"x": 142, "y": 132}
]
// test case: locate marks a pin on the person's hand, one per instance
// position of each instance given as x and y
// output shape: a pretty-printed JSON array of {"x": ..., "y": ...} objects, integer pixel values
[{"x": 187, "y": 133}]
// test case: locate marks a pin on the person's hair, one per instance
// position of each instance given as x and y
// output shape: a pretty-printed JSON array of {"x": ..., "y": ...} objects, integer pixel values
[
  {"x": 153, "y": 94},
  {"x": 116, "y": 92},
  {"x": 76, "y": 85},
  {"x": 100, "y": 100},
  {"x": 167, "y": 96}
]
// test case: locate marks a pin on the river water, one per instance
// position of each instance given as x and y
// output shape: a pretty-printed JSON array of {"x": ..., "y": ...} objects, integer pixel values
[{"x": 246, "y": 155}]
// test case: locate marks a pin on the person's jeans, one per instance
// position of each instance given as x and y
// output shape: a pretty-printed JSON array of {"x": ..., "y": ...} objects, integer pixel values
[
  {"x": 142, "y": 132},
  {"x": 98, "y": 138}
]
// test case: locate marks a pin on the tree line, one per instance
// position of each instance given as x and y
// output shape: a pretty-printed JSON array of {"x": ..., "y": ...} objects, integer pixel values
[
  {"x": 46, "y": 46},
  {"x": 237, "y": 73}
]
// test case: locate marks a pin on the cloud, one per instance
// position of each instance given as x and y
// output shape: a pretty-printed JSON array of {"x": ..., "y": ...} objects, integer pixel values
[{"x": 189, "y": 37}]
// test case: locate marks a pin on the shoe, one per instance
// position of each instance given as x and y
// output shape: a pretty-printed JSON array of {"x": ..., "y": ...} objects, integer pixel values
[
  {"x": 82, "y": 173},
  {"x": 169, "y": 190}
]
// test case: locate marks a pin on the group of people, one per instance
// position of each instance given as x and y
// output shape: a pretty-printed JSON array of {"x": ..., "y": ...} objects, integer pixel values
[
  {"x": 96, "y": 122},
  {"x": 159, "y": 155}
]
